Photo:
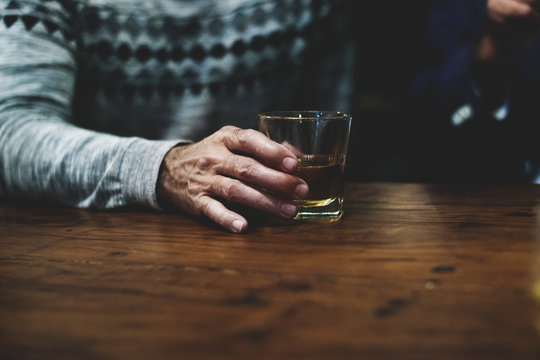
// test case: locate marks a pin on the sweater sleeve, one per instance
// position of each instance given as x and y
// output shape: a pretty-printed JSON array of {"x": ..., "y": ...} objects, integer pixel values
[{"x": 42, "y": 155}]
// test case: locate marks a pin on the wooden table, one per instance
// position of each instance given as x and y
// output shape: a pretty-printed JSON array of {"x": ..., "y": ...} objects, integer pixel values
[{"x": 411, "y": 271}]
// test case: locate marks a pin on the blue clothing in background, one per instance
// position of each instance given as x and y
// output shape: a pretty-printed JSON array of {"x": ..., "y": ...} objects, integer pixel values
[{"x": 458, "y": 135}]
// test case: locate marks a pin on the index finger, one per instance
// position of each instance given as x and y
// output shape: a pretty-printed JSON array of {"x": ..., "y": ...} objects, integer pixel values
[{"x": 260, "y": 147}]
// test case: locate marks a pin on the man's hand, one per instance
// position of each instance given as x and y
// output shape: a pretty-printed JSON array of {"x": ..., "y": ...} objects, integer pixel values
[
  {"x": 240, "y": 166},
  {"x": 511, "y": 22},
  {"x": 501, "y": 11}
]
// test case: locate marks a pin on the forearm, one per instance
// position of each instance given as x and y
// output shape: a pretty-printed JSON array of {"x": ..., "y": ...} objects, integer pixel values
[
  {"x": 44, "y": 156},
  {"x": 48, "y": 159}
]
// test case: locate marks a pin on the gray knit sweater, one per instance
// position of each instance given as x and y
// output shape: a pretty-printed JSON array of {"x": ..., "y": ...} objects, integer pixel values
[{"x": 93, "y": 93}]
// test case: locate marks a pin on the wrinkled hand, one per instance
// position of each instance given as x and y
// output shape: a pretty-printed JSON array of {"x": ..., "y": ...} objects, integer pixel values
[{"x": 240, "y": 166}]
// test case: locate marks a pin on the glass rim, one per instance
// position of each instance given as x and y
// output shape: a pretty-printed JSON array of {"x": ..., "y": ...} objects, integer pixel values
[{"x": 304, "y": 115}]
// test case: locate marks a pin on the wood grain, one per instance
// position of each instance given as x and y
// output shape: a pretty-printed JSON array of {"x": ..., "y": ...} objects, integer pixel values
[{"x": 412, "y": 271}]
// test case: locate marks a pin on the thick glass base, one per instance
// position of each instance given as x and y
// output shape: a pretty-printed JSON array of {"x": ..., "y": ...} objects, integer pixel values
[{"x": 326, "y": 209}]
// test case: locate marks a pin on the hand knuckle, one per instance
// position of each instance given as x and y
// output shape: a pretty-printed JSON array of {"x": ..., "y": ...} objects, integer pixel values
[
  {"x": 242, "y": 137},
  {"x": 231, "y": 191},
  {"x": 251, "y": 133},
  {"x": 226, "y": 135},
  {"x": 227, "y": 128},
  {"x": 247, "y": 169},
  {"x": 200, "y": 207},
  {"x": 206, "y": 162}
]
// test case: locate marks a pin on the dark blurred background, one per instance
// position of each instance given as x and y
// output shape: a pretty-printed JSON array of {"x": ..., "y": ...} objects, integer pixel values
[{"x": 389, "y": 52}]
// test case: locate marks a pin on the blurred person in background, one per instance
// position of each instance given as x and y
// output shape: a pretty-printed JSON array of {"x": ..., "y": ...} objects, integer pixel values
[
  {"x": 107, "y": 103},
  {"x": 474, "y": 103}
]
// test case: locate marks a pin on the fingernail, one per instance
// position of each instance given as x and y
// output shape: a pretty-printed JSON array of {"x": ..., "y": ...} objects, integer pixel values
[
  {"x": 289, "y": 163},
  {"x": 301, "y": 191},
  {"x": 289, "y": 210},
  {"x": 237, "y": 225}
]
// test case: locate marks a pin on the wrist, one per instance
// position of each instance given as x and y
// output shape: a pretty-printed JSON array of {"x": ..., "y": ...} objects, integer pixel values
[{"x": 165, "y": 179}]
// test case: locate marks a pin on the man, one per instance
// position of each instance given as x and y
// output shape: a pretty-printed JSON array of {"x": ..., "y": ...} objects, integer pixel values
[{"x": 113, "y": 103}]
